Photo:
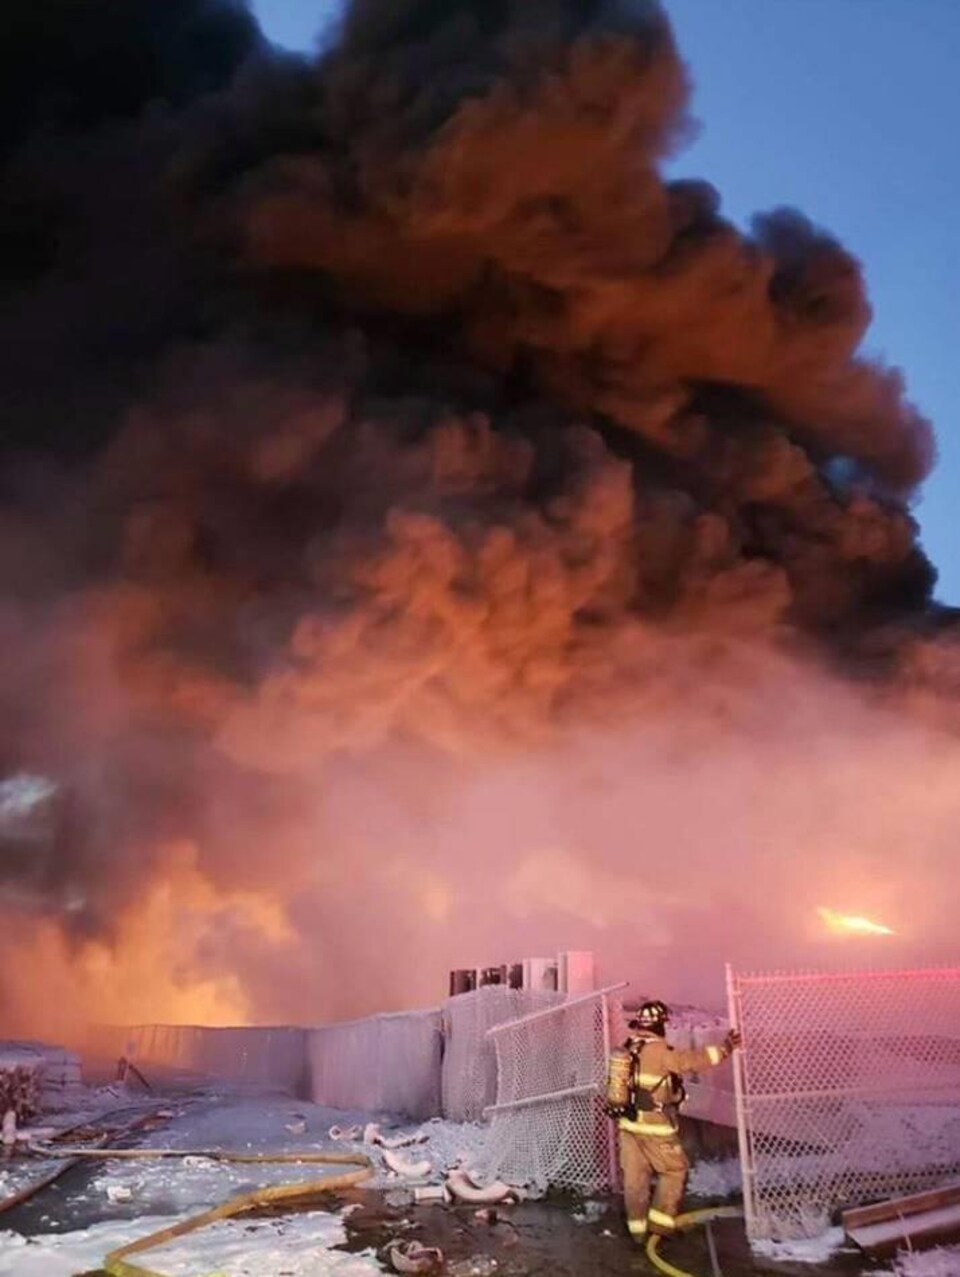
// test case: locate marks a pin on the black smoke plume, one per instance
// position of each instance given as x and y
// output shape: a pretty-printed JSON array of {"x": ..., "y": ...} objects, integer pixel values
[{"x": 388, "y": 416}]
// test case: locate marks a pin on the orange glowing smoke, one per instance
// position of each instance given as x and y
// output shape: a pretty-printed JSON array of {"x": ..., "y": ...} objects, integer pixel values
[
  {"x": 149, "y": 971},
  {"x": 842, "y": 924},
  {"x": 455, "y": 539}
]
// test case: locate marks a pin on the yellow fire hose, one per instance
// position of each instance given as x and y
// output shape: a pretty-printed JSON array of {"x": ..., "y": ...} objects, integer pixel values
[
  {"x": 689, "y": 1220},
  {"x": 116, "y": 1265},
  {"x": 116, "y": 1262}
]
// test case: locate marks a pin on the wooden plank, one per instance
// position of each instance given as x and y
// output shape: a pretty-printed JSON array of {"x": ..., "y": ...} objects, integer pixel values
[
  {"x": 890, "y": 1234},
  {"x": 897, "y": 1207}
]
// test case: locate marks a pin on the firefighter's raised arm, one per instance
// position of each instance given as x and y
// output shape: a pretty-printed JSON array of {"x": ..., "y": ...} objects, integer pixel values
[{"x": 699, "y": 1059}]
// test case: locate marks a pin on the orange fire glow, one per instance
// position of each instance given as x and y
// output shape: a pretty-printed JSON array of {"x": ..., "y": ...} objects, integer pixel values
[
  {"x": 842, "y": 924},
  {"x": 147, "y": 973}
]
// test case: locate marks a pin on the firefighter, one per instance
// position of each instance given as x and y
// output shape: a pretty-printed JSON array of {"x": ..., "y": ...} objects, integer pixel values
[{"x": 644, "y": 1094}]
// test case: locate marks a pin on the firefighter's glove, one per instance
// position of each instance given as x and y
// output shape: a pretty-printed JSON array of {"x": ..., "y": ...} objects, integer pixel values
[{"x": 732, "y": 1041}]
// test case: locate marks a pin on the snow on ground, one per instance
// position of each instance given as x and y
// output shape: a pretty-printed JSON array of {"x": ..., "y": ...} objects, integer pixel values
[
  {"x": 64, "y": 1255},
  {"x": 802, "y": 1250},
  {"x": 259, "y": 1126},
  {"x": 715, "y": 1179},
  {"x": 942, "y": 1262},
  {"x": 122, "y": 1199},
  {"x": 300, "y": 1246},
  {"x": 132, "y": 1198},
  {"x": 83, "y": 1106}
]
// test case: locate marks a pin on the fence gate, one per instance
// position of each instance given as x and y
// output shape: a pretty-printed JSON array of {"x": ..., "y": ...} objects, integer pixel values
[
  {"x": 848, "y": 1090},
  {"x": 548, "y": 1126}
]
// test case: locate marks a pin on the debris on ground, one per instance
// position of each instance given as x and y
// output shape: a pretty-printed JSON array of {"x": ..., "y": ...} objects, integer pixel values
[
  {"x": 413, "y": 1257},
  {"x": 108, "y": 1204},
  {"x": 464, "y": 1187},
  {"x": 373, "y": 1135},
  {"x": 20, "y": 1083},
  {"x": 590, "y": 1211},
  {"x": 350, "y": 1134},
  {"x": 36, "y": 1077},
  {"x": 431, "y": 1193},
  {"x": 405, "y": 1168}
]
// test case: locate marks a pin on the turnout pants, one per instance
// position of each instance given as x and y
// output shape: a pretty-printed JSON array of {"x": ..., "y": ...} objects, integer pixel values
[{"x": 644, "y": 1158}]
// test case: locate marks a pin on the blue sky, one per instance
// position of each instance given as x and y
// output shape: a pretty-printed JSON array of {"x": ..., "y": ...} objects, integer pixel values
[{"x": 850, "y": 111}]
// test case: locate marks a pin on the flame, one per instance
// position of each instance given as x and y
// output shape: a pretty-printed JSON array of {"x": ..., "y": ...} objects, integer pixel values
[
  {"x": 842, "y": 924},
  {"x": 149, "y": 971}
]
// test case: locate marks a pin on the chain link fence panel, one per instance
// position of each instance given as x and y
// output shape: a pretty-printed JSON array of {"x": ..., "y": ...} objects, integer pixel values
[
  {"x": 848, "y": 1091},
  {"x": 382, "y": 1064},
  {"x": 548, "y": 1126},
  {"x": 469, "y": 1080},
  {"x": 257, "y": 1057}
]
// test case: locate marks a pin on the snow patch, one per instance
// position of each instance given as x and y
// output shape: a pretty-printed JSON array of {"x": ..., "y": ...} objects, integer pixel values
[
  {"x": 802, "y": 1250},
  {"x": 63, "y": 1254},
  {"x": 300, "y": 1246},
  {"x": 716, "y": 1179},
  {"x": 944, "y": 1261}
]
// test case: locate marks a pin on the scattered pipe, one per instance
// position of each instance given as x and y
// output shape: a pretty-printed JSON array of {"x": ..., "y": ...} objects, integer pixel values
[
  {"x": 409, "y": 1170},
  {"x": 403, "y": 1141},
  {"x": 431, "y": 1193},
  {"x": 373, "y": 1135},
  {"x": 351, "y": 1133},
  {"x": 31, "y": 1134},
  {"x": 463, "y": 1188}
]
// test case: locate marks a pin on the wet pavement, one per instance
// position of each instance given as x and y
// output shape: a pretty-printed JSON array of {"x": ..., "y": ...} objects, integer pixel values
[
  {"x": 557, "y": 1237},
  {"x": 562, "y": 1235}
]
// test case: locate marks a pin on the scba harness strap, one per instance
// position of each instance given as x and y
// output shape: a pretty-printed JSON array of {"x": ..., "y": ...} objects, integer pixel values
[
  {"x": 642, "y": 1089},
  {"x": 646, "y": 1085}
]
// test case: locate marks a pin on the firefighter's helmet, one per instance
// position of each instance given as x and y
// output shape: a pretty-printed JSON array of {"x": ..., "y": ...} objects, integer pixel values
[{"x": 652, "y": 1017}]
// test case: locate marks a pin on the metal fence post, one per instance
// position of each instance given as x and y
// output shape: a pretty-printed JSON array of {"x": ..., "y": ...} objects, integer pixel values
[
  {"x": 610, "y": 1126},
  {"x": 743, "y": 1137}
]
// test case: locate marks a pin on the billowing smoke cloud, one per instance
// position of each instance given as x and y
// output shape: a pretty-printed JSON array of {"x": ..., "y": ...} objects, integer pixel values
[{"x": 429, "y": 536}]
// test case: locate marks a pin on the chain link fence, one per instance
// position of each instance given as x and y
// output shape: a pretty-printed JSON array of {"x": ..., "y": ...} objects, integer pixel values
[
  {"x": 256, "y": 1057},
  {"x": 548, "y": 1125},
  {"x": 848, "y": 1091},
  {"x": 469, "y": 1081},
  {"x": 382, "y": 1064}
]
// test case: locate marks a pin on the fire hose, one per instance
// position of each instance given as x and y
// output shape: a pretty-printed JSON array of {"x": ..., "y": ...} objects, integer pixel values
[
  {"x": 116, "y": 1263},
  {"x": 689, "y": 1220}
]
